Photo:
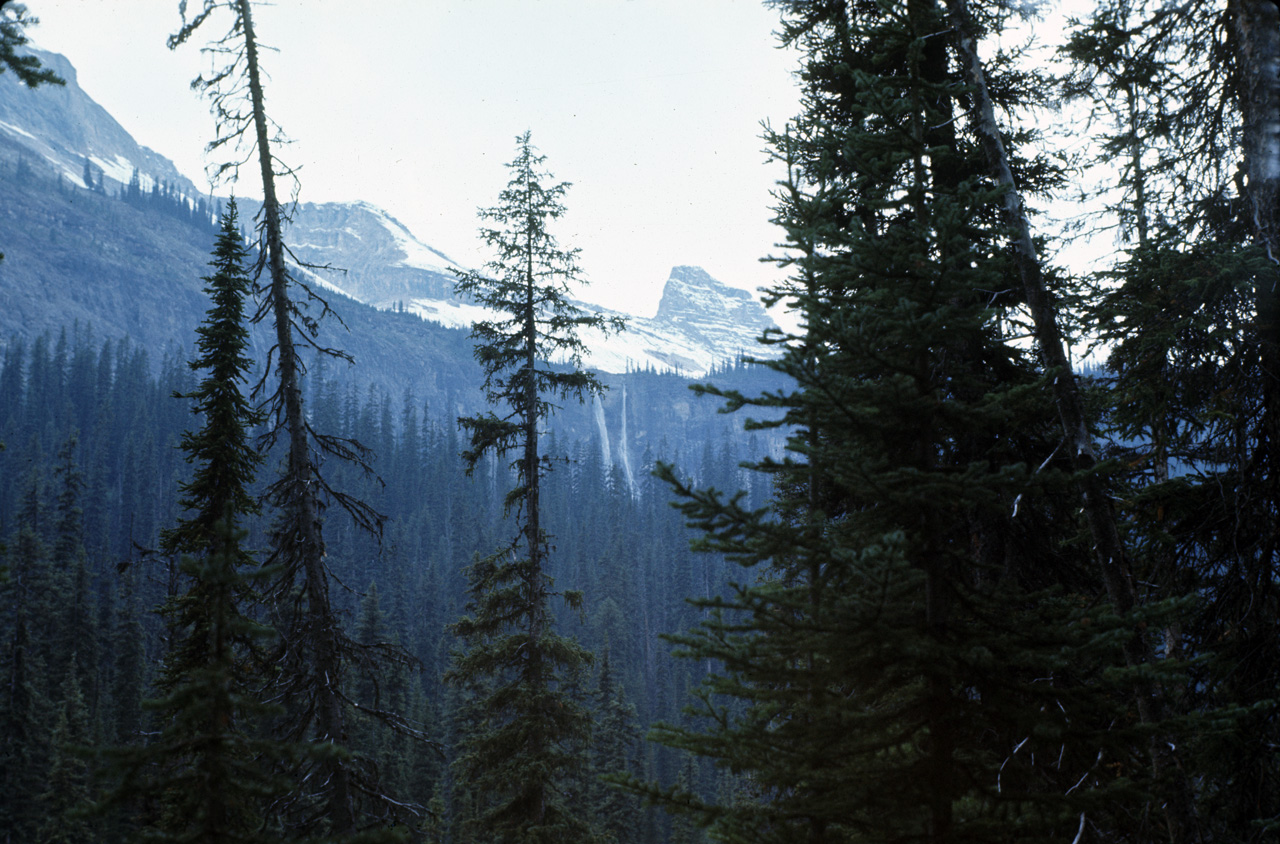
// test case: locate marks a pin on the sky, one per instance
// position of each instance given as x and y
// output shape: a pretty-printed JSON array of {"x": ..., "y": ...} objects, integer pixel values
[{"x": 652, "y": 109}]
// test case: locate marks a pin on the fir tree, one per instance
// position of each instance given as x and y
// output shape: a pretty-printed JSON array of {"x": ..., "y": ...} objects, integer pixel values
[
  {"x": 63, "y": 804},
  {"x": 14, "y": 19},
  {"x": 615, "y": 744},
  {"x": 531, "y": 735},
  {"x": 208, "y": 770},
  {"x": 24, "y": 739},
  {"x": 316, "y": 648},
  {"x": 909, "y": 648},
  {"x": 1190, "y": 315}
]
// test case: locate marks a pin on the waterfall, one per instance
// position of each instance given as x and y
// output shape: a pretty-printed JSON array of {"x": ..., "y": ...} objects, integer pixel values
[
  {"x": 624, "y": 449},
  {"x": 605, "y": 454}
]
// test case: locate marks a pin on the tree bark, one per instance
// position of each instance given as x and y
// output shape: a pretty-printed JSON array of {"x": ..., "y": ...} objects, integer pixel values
[
  {"x": 1066, "y": 391},
  {"x": 1099, "y": 513},
  {"x": 1257, "y": 35},
  {"x": 302, "y": 511}
]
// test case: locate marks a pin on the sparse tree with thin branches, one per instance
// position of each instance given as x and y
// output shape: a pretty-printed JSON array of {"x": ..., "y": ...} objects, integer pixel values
[
  {"x": 338, "y": 792},
  {"x": 532, "y": 733}
]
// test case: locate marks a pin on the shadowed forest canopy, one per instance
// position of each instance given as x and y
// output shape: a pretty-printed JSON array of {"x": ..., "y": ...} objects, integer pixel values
[{"x": 930, "y": 581}]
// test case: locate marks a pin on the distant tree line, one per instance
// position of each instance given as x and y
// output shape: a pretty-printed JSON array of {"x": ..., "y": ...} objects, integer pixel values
[{"x": 89, "y": 481}]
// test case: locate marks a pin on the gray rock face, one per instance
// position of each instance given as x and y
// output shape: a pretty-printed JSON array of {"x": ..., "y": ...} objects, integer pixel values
[
  {"x": 696, "y": 304},
  {"x": 63, "y": 126},
  {"x": 379, "y": 261},
  {"x": 372, "y": 257}
]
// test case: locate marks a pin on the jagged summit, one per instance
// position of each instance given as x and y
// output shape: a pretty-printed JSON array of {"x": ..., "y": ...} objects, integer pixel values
[
  {"x": 711, "y": 311},
  {"x": 377, "y": 260}
]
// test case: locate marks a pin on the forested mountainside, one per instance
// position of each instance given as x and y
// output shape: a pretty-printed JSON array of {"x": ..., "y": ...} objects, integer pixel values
[
  {"x": 129, "y": 267},
  {"x": 90, "y": 477},
  {"x": 973, "y": 597}
]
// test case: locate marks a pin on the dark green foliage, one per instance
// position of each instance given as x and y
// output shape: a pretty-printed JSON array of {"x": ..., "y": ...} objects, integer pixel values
[
  {"x": 207, "y": 776},
  {"x": 615, "y": 752},
  {"x": 226, "y": 462},
  {"x": 24, "y": 739},
  {"x": 13, "y": 20},
  {"x": 628, "y": 554},
  {"x": 533, "y": 731},
  {"x": 336, "y": 792},
  {"x": 63, "y": 805},
  {"x": 909, "y": 656},
  {"x": 1189, "y": 313}
]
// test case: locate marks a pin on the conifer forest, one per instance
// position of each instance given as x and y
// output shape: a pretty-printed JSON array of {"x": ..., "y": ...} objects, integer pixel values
[{"x": 994, "y": 555}]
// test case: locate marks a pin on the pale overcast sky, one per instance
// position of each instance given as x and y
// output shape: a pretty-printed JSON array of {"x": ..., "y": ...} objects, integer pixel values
[{"x": 651, "y": 108}]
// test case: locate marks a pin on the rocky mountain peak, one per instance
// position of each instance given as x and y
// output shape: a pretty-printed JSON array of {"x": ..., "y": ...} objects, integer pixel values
[
  {"x": 703, "y": 306},
  {"x": 64, "y": 126},
  {"x": 376, "y": 259}
]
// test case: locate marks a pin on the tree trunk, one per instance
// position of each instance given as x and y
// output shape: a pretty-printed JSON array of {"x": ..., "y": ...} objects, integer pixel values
[
  {"x": 1098, "y": 509},
  {"x": 1257, "y": 32},
  {"x": 302, "y": 512}
]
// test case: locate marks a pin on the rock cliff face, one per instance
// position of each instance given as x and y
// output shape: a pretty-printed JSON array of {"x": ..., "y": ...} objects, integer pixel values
[
  {"x": 720, "y": 316},
  {"x": 380, "y": 262},
  {"x": 700, "y": 324},
  {"x": 62, "y": 126},
  {"x": 373, "y": 258}
]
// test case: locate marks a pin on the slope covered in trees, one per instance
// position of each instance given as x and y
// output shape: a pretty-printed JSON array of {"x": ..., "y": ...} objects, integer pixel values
[
  {"x": 627, "y": 553},
  {"x": 979, "y": 598}
]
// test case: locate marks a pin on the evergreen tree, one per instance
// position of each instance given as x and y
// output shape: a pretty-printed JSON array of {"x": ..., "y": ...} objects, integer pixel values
[
  {"x": 63, "y": 803},
  {"x": 208, "y": 770},
  {"x": 317, "y": 650},
  {"x": 14, "y": 19},
  {"x": 531, "y": 735},
  {"x": 910, "y": 649},
  {"x": 24, "y": 738},
  {"x": 1190, "y": 315},
  {"x": 615, "y": 745}
]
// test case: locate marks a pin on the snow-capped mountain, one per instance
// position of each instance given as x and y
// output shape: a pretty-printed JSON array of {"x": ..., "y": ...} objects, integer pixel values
[
  {"x": 63, "y": 126},
  {"x": 374, "y": 258},
  {"x": 700, "y": 323}
]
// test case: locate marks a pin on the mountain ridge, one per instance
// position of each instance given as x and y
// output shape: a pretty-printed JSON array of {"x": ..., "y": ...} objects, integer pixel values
[
  {"x": 375, "y": 259},
  {"x": 115, "y": 262}
]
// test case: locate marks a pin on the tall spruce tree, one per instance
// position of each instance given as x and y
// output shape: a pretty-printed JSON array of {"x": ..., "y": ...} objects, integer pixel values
[
  {"x": 531, "y": 735},
  {"x": 1190, "y": 314},
  {"x": 209, "y": 775},
  {"x": 910, "y": 659},
  {"x": 337, "y": 792}
]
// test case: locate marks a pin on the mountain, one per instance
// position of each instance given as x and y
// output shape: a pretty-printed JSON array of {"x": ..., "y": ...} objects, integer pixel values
[
  {"x": 63, "y": 127},
  {"x": 376, "y": 259},
  {"x": 88, "y": 251},
  {"x": 700, "y": 323}
]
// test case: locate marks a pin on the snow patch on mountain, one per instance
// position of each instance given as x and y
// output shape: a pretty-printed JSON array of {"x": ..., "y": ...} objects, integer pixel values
[
  {"x": 17, "y": 130},
  {"x": 375, "y": 258},
  {"x": 65, "y": 126},
  {"x": 702, "y": 323},
  {"x": 450, "y": 314},
  {"x": 416, "y": 253},
  {"x": 118, "y": 168}
]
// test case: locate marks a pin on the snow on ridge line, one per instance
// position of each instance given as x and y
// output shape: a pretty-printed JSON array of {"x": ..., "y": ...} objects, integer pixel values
[
  {"x": 644, "y": 344},
  {"x": 417, "y": 254}
]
